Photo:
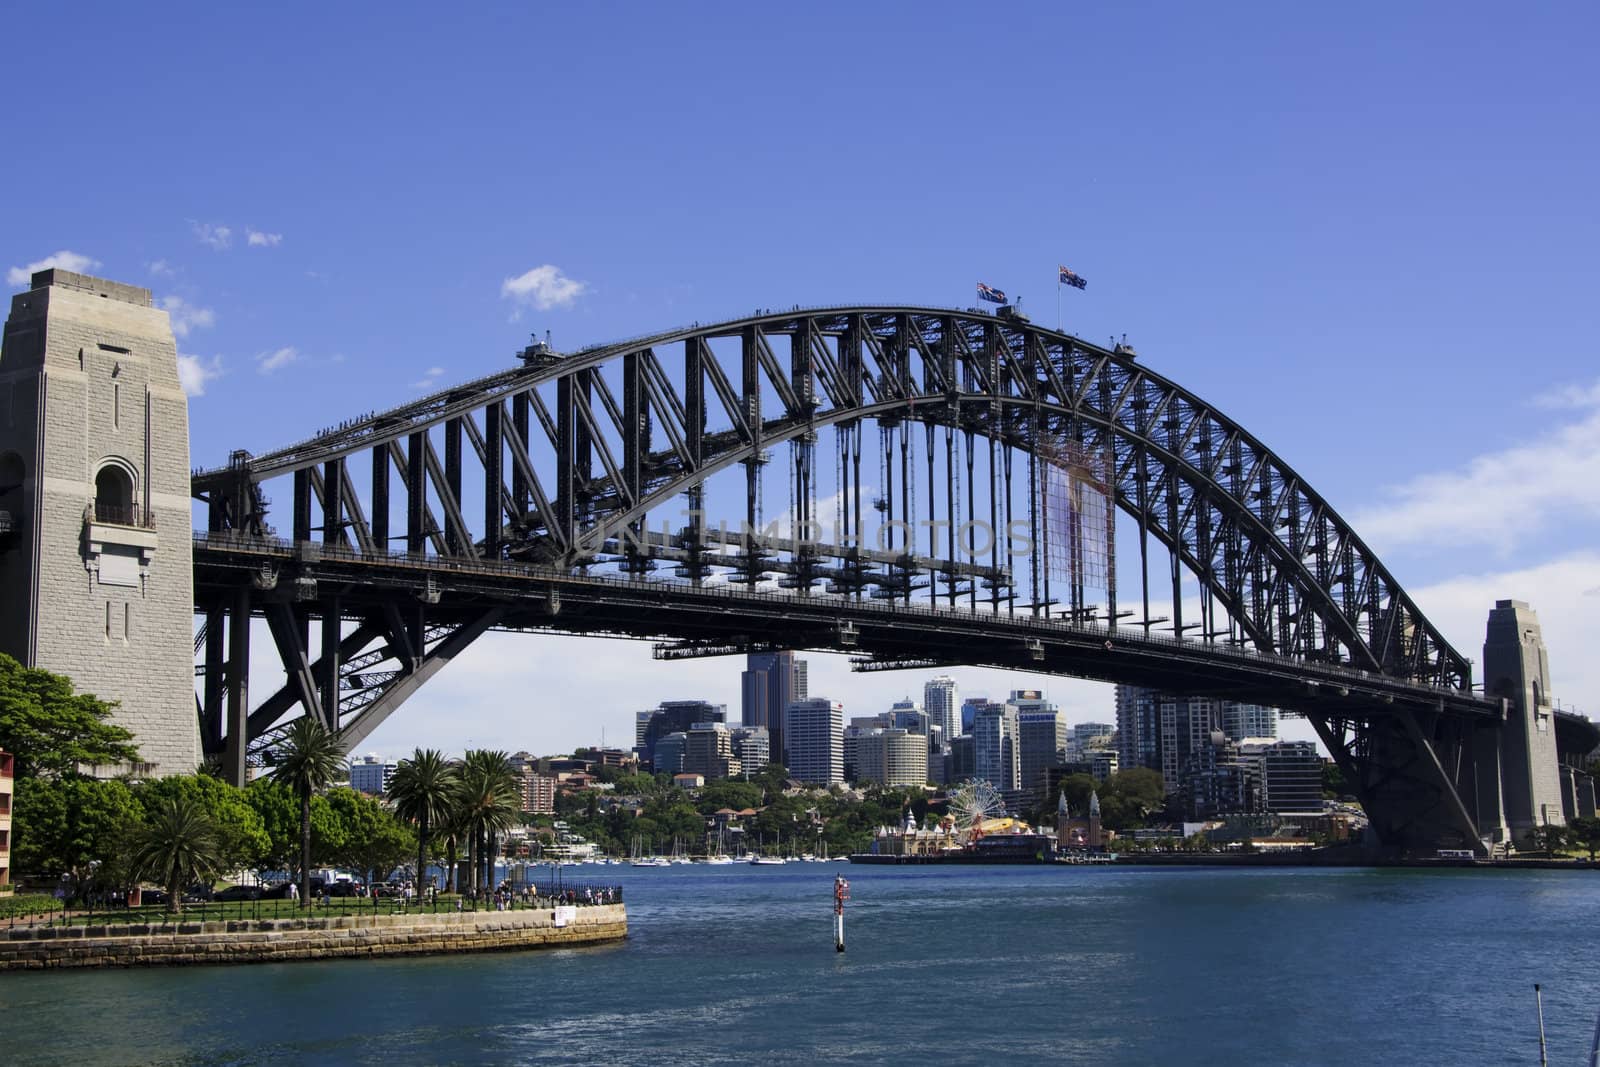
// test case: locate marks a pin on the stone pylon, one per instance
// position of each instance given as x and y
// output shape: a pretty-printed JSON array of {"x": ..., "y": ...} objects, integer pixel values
[
  {"x": 1516, "y": 667},
  {"x": 96, "y": 565}
]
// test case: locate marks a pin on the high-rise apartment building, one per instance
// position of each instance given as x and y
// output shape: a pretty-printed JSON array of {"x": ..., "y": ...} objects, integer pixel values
[
  {"x": 814, "y": 729},
  {"x": 1289, "y": 775},
  {"x": 941, "y": 700},
  {"x": 1240, "y": 721},
  {"x": 770, "y": 683},
  {"x": 1138, "y": 727}
]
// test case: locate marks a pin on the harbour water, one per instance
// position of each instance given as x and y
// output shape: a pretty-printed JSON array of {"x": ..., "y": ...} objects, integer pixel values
[{"x": 952, "y": 964}]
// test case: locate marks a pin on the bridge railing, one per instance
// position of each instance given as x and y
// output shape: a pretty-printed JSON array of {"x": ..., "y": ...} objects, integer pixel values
[{"x": 312, "y": 551}]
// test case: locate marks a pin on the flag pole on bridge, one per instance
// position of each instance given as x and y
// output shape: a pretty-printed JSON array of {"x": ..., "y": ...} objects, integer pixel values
[{"x": 1066, "y": 277}]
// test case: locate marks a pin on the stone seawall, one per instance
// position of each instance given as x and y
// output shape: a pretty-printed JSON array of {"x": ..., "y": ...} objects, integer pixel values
[{"x": 273, "y": 940}]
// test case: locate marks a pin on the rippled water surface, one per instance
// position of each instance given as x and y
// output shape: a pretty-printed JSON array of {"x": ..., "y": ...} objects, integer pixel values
[{"x": 951, "y": 964}]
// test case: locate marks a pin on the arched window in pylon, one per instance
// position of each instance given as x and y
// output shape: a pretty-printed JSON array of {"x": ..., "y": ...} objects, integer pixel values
[{"x": 113, "y": 496}]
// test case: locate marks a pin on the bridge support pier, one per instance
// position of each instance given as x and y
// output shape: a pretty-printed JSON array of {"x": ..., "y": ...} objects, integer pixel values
[
  {"x": 1517, "y": 669},
  {"x": 233, "y": 755}
]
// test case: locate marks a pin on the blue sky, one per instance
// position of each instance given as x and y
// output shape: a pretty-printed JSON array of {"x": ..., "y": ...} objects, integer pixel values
[{"x": 1365, "y": 232}]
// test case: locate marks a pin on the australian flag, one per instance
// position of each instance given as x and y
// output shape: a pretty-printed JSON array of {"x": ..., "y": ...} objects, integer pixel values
[
  {"x": 991, "y": 294},
  {"x": 1069, "y": 278}
]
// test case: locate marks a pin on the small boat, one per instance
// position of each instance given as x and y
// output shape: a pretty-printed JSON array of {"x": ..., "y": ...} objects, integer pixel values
[
  {"x": 719, "y": 861},
  {"x": 767, "y": 861}
]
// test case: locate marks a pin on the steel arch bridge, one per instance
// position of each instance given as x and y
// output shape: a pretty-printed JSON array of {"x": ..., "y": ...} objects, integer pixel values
[{"x": 631, "y": 489}]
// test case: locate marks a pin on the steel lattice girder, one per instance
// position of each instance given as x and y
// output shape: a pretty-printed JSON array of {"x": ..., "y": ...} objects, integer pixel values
[{"x": 1288, "y": 571}]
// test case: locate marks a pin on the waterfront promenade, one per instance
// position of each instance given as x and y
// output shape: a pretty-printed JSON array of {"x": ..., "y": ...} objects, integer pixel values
[{"x": 236, "y": 933}]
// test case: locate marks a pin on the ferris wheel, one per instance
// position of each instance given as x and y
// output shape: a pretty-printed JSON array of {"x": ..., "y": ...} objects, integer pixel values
[{"x": 974, "y": 803}]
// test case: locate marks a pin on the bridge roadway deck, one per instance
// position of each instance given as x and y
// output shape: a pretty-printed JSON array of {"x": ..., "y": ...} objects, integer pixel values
[{"x": 539, "y": 598}]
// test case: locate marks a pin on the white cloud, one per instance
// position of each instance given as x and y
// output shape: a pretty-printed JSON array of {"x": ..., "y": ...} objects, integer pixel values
[
  {"x": 195, "y": 371},
  {"x": 1565, "y": 592},
  {"x": 257, "y": 239},
  {"x": 73, "y": 261},
  {"x": 185, "y": 316},
  {"x": 267, "y": 362},
  {"x": 428, "y": 379},
  {"x": 1499, "y": 498},
  {"x": 544, "y": 288},
  {"x": 160, "y": 268},
  {"x": 1570, "y": 396},
  {"x": 218, "y": 237}
]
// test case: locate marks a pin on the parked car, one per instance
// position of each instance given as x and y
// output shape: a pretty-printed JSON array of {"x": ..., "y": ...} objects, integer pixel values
[
  {"x": 277, "y": 892},
  {"x": 152, "y": 896},
  {"x": 198, "y": 894},
  {"x": 240, "y": 892},
  {"x": 345, "y": 889}
]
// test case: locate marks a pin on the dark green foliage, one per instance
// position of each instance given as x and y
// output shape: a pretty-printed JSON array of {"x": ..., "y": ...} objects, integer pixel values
[{"x": 50, "y": 729}]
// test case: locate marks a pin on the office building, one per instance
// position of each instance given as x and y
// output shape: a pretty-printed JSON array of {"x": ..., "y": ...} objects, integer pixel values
[
  {"x": 752, "y": 747},
  {"x": 1090, "y": 737},
  {"x": 940, "y": 698},
  {"x": 669, "y": 752},
  {"x": 1041, "y": 738},
  {"x": 895, "y": 758},
  {"x": 671, "y": 717},
  {"x": 1102, "y": 763},
  {"x": 770, "y": 683},
  {"x": 961, "y": 762},
  {"x": 708, "y": 752},
  {"x": 814, "y": 732},
  {"x": 994, "y": 735},
  {"x": 371, "y": 775},
  {"x": 1290, "y": 775}
]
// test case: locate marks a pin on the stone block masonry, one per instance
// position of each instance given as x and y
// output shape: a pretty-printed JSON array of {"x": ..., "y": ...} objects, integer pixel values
[
  {"x": 94, "y": 453},
  {"x": 276, "y": 940}
]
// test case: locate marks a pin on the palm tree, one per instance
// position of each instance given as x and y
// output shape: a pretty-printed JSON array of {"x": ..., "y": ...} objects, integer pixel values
[
  {"x": 424, "y": 792},
  {"x": 490, "y": 802},
  {"x": 308, "y": 760},
  {"x": 178, "y": 846}
]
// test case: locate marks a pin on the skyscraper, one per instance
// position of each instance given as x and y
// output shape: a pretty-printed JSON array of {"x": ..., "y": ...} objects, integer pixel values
[
  {"x": 940, "y": 698},
  {"x": 994, "y": 736},
  {"x": 770, "y": 683},
  {"x": 815, "y": 731},
  {"x": 1041, "y": 737}
]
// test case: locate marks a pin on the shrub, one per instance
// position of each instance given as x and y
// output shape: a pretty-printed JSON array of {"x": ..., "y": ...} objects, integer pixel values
[{"x": 24, "y": 904}]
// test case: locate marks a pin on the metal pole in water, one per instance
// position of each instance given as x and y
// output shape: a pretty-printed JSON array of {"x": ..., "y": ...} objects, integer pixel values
[
  {"x": 1539, "y": 1000},
  {"x": 841, "y": 893},
  {"x": 1594, "y": 1049}
]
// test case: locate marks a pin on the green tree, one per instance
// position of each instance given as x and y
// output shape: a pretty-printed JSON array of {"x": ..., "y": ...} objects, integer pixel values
[
  {"x": 1128, "y": 798},
  {"x": 50, "y": 729},
  {"x": 728, "y": 793},
  {"x": 310, "y": 758},
  {"x": 177, "y": 846},
  {"x": 425, "y": 788},
  {"x": 371, "y": 839},
  {"x": 1334, "y": 784},
  {"x": 1077, "y": 787},
  {"x": 72, "y": 826},
  {"x": 1584, "y": 832},
  {"x": 491, "y": 802},
  {"x": 279, "y": 811},
  {"x": 242, "y": 838}
]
